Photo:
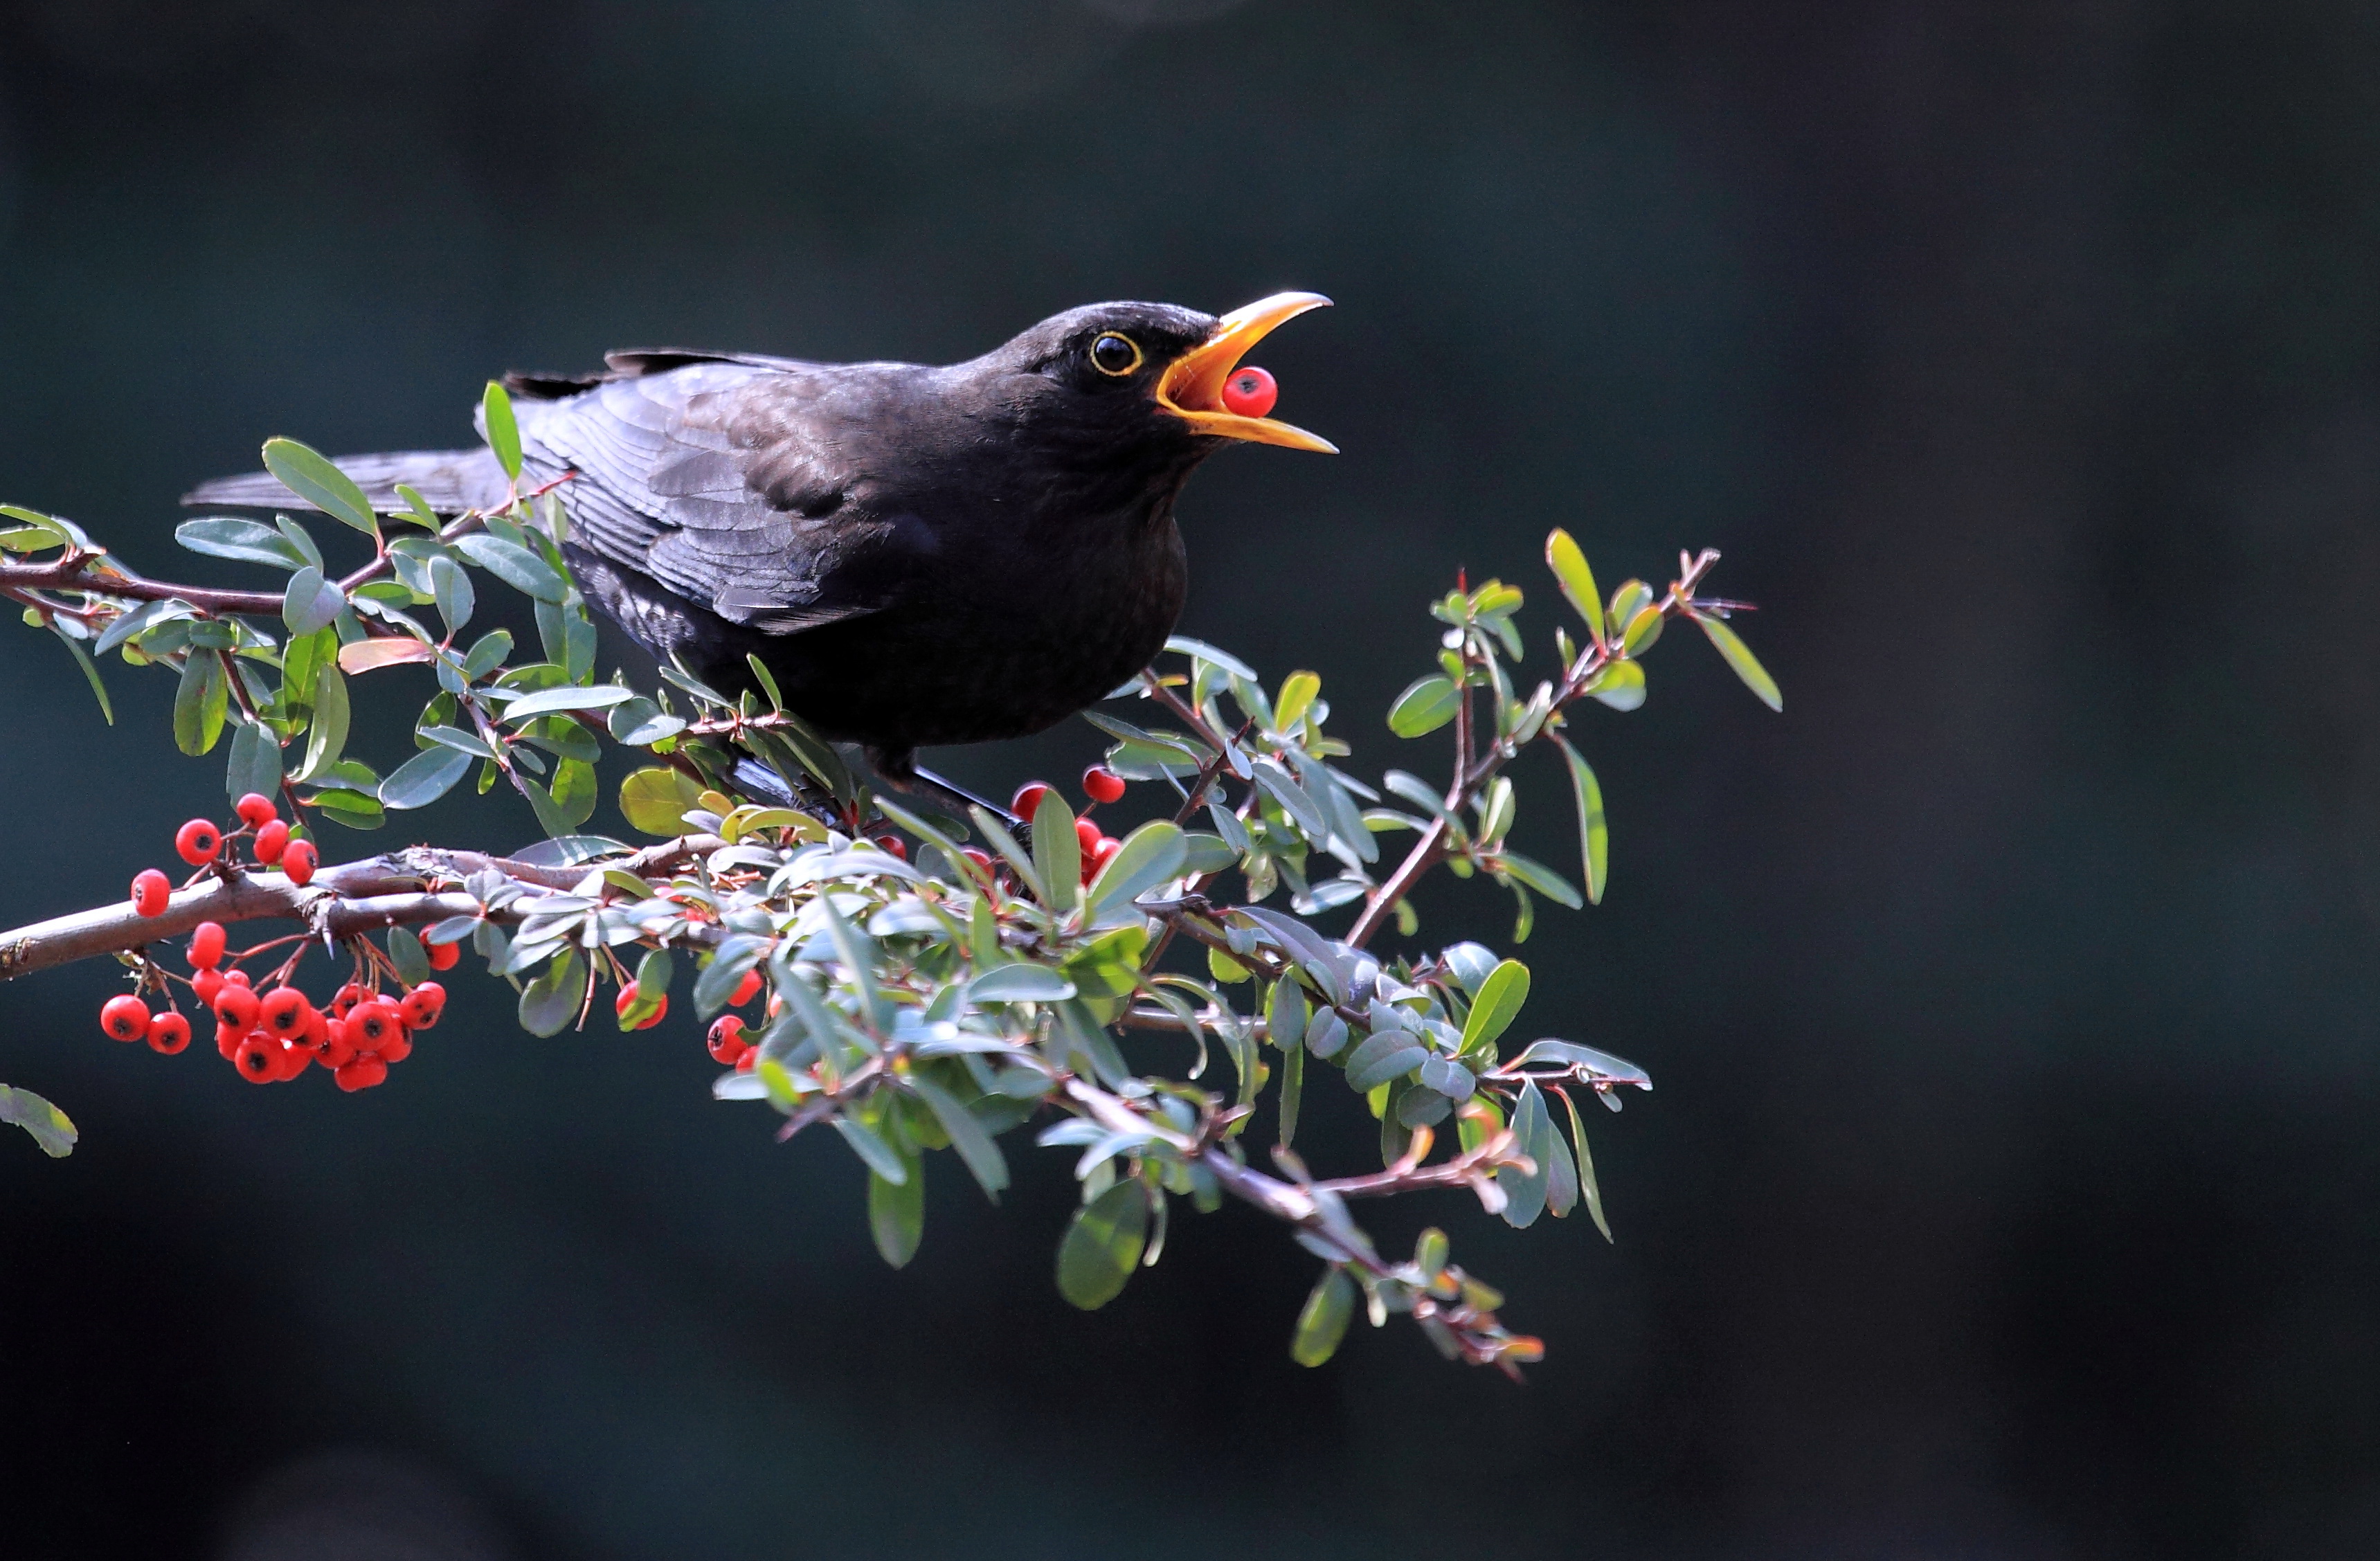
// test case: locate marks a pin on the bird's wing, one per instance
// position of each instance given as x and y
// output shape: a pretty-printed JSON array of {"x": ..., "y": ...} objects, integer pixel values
[{"x": 728, "y": 481}]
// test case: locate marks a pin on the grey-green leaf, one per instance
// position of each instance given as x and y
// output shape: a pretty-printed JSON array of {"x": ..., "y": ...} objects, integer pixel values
[
  {"x": 1020, "y": 984},
  {"x": 199, "y": 703},
  {"x": 255, "y": 763},
  {"x": 549, "y": 1003},
  {"x": 310, "y": 602},
  {"x": 1526, "y": 1191},
  {"x": 245, "y": 541},
  {"x": 315, "y": 478},
  {"x": 1102, "y": 1246},
  {"x": 870, "y": 1146},
  {"x": 896, "y": 1216},
  {"x": 1594, "y": 831},
  {"x": 424, "y": 778},
  {"x": 515, "y": 566},
  {"x": 50, "y": 1127},
  {"x": 974, "y": 1144},
  {"x": 1057, "y": 852}
]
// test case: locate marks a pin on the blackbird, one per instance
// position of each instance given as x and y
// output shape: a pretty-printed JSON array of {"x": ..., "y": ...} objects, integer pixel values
[{"x": 919, "y": 555}]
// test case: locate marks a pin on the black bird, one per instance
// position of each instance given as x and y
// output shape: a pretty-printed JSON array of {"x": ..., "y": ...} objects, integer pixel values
[{"x": 919, "y": 555}]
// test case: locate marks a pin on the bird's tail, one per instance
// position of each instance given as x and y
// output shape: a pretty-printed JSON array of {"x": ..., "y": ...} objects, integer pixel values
[{"x": 450, "y": 481}]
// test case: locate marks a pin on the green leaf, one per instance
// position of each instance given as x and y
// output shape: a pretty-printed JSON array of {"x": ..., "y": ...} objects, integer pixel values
[
  {"x": 90, "y": 671},
  {"x": 1102, "y": 1246},
  {"x": 50, "y": 1127},
  {"x": 301, "y": 539},
  {"x": 1642, "y": 630},
  {"x": 1020, "y": 984},
  {"x": 1183, "y": 644},
  {"x": 655, "y": 800},
  {"x": 1425, "y": 707},
  {"x": 504, "y": 435},
  {"x": 356, "y": 809},
  {"x": 549, "y": 1003},
  {"x": 1594, "y": 833},
  {"x": 1057, "y": 852},
  {"x": 1526, "y": 1191},
  {"x": 199, "y": 703},
  {"x": 896, "y": 1215},
  {"x": 1323, "y": 1323},
  {"x": 1539, "y": 877},
  {"x": 768, "y": 682},
  {"x": 450, "y": 589},
  {"x": 1293, "y": 1088},
  {"x": 1577, "y": 581},
  {"x": 1619, "y": 685},
  {"x": 328, "y": 738},
  {"x": 967, "y": 1136},
  {"x": 313, "y": 477},
  {"x": 1747, "y": 666},
  {"x": 1586, "y": 1188},
  {"x": 1562, "y": 1171},
  {"x": 1497, "y": 1005},
  {"x": 310, "y": 603},
  {"x": 879, "y": 1155},
  {"x": 1147, "y": 856},
  {"x": 255, "y": 763},
  {"x": 424, "y": 778},
  {"x": 417, "y": 508},
  {"x": 575, "y": 790},
  {"x": 245, "y": 541},
  {"x": 515, "y": 566},
  {"x": 1297, "y": 691}
]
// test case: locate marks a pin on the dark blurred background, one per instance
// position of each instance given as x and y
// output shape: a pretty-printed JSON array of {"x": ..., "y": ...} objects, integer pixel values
[{"x": 2010, "y": 1187}]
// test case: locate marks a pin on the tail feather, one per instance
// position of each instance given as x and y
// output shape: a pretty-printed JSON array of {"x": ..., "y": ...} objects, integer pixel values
[{"x": 449, "y": 480}]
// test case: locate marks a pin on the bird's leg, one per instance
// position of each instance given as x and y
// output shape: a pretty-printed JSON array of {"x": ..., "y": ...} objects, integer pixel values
[{"x": 898, "y": 769}]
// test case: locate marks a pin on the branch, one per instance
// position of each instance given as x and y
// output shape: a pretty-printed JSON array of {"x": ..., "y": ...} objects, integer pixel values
[
  {"x": 1469, "y": 775},
  {"x": 403, "y": 888}
]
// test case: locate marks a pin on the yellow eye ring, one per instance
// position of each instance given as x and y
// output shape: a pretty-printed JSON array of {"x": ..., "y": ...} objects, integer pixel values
[{"x": 1114, "y": 355}]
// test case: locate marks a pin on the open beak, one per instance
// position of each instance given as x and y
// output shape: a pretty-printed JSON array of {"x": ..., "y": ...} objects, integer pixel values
[{"x": 1192, "y": 386}]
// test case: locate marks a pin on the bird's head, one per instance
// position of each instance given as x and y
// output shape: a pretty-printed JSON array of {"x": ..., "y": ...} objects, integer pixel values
[{"x": 1139, "y": 374}]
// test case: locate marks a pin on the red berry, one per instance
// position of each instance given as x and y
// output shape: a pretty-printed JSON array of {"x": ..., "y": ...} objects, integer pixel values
[
  {"x": 746, "y": 990},
  {"x": 237, "y": 1005},
  {"x": 982, "y": 859},
  {"x": 628, "y": 995},
  {"x": 422, "y": 1005},
  {"x": 318, "y": 1029},
  {"x": 255, "y": 808},
  {"x": 272, "y": 839},
  {"x": 207, "y": 983},
  {"x": 297, "y": 860},
  {"x": 727, "y": 1042},
  {"x": 197, "y": 841},
  {"x": 236, "y": 978},
  {"x": 894, "y": 845},
  {"x": 1028, "y": 799},
  {"x": 396, "y": 1049},
  {"x": 1103, "y": 784},
  {"x": 282, "y": 1013},
  {"x": 1250, "y": 392},
  {"x": 334, "y": 1054},
  {"x": 443, "y": 956},
  {"x": 206, "y": 945},
  {"x": 124, "y": 1018},
  {"x": 150, "y": 889},
  {"x": 1088, "y": 834},
  {"x": 362, "y": 1073},
  {"x": 345, "y": 1002},
  {"x": 373, "y": 1024},
  {"x": 168, "y": 1033},
  {"x": 1104, "y": 852},
  {"x": 228, "y": 1039},
  {"x": 744, "y": 1063},
  {"x": 291, "y": 1060},
  {"x": 257, "y": 1060}
]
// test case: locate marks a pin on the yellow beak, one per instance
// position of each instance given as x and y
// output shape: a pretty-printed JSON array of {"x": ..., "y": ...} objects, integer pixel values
[{"x": 1192, "y": 386}]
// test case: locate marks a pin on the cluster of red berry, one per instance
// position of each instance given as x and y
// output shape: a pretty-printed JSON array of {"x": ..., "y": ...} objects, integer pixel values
[
  {"x": 202, "y": 845},
  {"x": 272, "y": 1036},
  {"x": 1100, "y": 784}
]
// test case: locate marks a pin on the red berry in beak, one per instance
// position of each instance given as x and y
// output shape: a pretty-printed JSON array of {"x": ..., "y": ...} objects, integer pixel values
[{"x": 1249, "y": 392}]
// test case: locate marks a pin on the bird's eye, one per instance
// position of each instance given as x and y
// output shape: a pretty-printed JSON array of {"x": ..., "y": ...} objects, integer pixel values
[{"x": 1112, "y": 354}]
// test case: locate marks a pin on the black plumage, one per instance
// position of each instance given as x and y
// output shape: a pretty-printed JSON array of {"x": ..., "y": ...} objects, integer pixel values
[{"x": 919, "y": 555}]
